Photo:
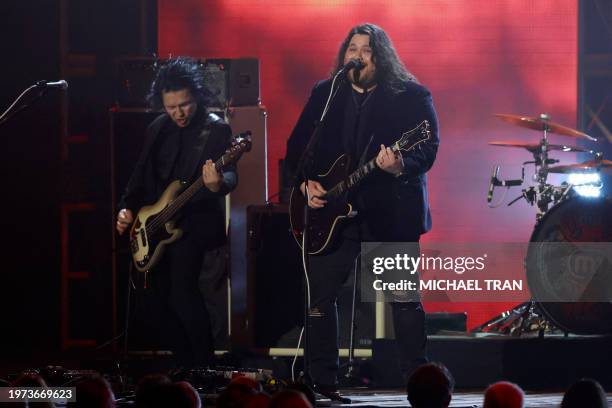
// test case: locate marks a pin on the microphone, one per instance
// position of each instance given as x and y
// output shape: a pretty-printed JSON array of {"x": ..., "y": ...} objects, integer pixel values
[
  {"x": 492, "y": 184},
  {"x": 353, "y": 63},
  {"x": 61, "y": 84}
]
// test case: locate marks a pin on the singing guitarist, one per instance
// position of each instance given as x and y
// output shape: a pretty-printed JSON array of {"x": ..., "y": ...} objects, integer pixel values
[
  {"x": 378, "y": 102},
  {"x": 184, "y": 291}
]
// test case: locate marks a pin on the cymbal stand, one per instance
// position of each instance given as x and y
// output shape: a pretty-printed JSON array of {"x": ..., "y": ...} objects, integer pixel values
[
  {"x": 541, "y": 157},
  {"x": 525, "y": 317}
]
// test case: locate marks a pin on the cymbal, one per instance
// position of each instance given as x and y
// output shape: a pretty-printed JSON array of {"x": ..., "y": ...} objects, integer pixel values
[
  {"x": 542, "y": 124},
  {"x": 535, "y": 147},
  {"x": 584, "y": 167}
]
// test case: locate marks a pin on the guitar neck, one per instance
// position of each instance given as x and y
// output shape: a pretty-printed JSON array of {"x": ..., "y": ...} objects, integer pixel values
[
  {"x": 355, "y": 177},
  {"x": 408, "y": 141},
  {"x": 170, "y": 211}
]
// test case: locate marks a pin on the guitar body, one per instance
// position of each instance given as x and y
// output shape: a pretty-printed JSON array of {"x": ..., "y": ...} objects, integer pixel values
[
  {"x": 337, "y": 182},
  {"x": 147, "y": 249},
  {"x": 322, "y": 221}
]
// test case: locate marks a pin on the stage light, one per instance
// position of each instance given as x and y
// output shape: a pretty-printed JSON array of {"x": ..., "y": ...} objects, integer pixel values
[{"x": 586, "y": 184}]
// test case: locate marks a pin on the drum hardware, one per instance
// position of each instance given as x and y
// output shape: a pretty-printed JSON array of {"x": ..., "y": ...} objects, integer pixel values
[
  {"x": 563, "y": 192},
  {"x": 543, "y": 194},
  {"x": 529, "y": 194},
  {"x": 496, "y": 182},
  {"x": 547, "y": 194},
  {"x": 582, "y": 318},
  {"x": 524, "y": 318}
]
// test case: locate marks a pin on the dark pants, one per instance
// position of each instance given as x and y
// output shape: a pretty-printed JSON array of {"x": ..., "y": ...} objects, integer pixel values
[
  {"x": 327, "y": 274},
  {"x": 213, "y": 287},
  {"x": 177, "y": 291}
]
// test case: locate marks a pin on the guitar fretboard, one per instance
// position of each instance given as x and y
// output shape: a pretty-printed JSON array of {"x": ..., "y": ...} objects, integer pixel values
[
  {"x": 352, "y": 180},
  {"x": 170, "y": 211},
  {"x": 408, "y": 141}
]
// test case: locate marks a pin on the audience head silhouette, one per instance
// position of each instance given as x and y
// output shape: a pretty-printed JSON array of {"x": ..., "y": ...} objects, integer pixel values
[
  {"x": 585, "y": 393},
  {"x": 504, "y": 394},
  {"x": 430, "y": 386}
]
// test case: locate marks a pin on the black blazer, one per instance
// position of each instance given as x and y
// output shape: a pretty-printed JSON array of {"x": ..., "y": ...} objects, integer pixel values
[
  {"x": 203, "y": 218},
  {"x": 394, "y": 209}
]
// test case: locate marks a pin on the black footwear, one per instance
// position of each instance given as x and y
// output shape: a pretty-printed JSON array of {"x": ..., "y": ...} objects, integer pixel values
[{"x": 331, "y": 392}]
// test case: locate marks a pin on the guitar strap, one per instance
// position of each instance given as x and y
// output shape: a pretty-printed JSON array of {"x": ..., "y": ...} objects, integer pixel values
[
  {"x": 362, "y": 159},
  {"x": 203, "y": 137},
  {"x": 367, "y": 112}
]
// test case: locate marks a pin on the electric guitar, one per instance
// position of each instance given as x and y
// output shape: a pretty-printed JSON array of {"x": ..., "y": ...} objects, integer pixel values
[
  {"x": 154, "y": 225},
  {"x": 337, "y": 182}
]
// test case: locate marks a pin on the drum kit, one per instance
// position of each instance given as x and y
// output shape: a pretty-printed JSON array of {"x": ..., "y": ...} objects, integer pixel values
[
  {"x": 562, "y": 216},
  {"x": 543, "y": 194}
]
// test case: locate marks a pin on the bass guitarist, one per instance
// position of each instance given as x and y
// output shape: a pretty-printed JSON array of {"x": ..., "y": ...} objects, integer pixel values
[
  {"x": 380, "y": 101},
  {"x": 184, "y": 291}
]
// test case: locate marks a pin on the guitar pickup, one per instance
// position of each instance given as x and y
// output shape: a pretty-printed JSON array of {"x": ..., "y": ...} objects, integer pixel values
[
  {"x": 352, "y": 214},
  {"x": 143, "y": 237}
]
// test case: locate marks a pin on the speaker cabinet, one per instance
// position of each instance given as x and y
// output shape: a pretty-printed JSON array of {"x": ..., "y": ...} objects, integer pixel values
[
  {"x": 232, "y": 81},
  {"x": 252, "y": 189},
  {"x": 274, "y": 278}
]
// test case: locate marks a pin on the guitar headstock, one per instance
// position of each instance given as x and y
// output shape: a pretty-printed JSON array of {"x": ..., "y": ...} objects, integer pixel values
[
  {"x": 240, "y": 144},
  {"x": 413, "y": 137}
]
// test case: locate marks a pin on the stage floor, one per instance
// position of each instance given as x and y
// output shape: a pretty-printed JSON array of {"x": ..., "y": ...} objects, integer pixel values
[
  {"x": 397, "y": 398},
  {"x": 544, "y": 367}
]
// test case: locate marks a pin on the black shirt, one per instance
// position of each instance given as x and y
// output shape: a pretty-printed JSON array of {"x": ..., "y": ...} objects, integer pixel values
[
  {"x": 358, "y": 108},
  {"x": 172, "y": 150},
  {"x": 357, "y": 114}
]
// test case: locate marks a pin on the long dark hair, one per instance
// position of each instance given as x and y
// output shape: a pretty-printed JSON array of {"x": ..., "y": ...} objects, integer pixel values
[
  {"x": 176, "y": 74},
  {"x": 390, "y": 71}
]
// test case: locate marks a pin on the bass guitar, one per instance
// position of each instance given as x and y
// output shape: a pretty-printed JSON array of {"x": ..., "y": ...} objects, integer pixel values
[{"x": 154, "y": 225}]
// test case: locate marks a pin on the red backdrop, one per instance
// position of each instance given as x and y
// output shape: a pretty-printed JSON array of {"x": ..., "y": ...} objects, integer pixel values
[{"x": 477, "y": 57}]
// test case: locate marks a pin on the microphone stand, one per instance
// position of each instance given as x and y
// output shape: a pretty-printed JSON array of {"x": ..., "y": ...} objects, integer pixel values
[
  {"x": 8, "y": 115},
  {"x": 305, "y": 164}
]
